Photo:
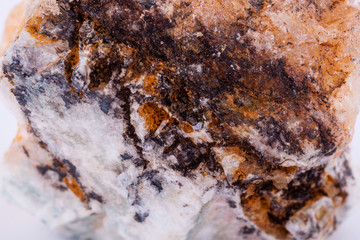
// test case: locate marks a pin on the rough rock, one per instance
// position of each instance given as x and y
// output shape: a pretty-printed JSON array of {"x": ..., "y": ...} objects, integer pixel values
[{"x": 145, "y": 119}]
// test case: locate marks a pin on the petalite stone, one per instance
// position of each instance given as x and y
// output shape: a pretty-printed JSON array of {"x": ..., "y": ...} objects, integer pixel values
[{"x": 207, "y": 119}]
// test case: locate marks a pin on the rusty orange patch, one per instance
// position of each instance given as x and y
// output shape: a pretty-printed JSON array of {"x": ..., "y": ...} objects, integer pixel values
[
  {"x": 153, "y": 115},
  {"x": 71, "y": 61},
  {"x": 74, "y": 186},
  {"x": 33, "y": 26},
  {"x": 150, "y": 83},
  {"x": 257, "y": 208},
  {"x": 186, "y": 127}
]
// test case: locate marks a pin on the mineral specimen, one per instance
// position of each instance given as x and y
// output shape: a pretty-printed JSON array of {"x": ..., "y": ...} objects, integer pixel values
[{"x": 207, "y": 119}]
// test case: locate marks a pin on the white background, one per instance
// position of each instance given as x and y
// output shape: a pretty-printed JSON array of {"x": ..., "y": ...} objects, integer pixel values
[{"x": 16, "y": 224}]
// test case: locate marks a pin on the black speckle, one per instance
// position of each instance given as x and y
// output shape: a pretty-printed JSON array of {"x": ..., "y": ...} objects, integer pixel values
[
  {"x": 71, "y": 168},
  {"x": 275, "y": 219},
  {"x": 137, "y": 200},
  {"x": 277, "y": 134},
  {"x": 139, "y": 162},
  {"x": 348, "y": 171},
  {"x": 148, "y": 175},
  {"x": 147, "y": 4},
  {"x": 247, "y": 230},
  {"x": 26, "y": 152},
  {"x": 61, "y": 188},
  {"x": 258, "y": 4},
  {"x": 140, "y": 217},
  {"x": 57, "y": 79},
  {"x": 301, "y": 187},
  {"x": 325, "y": 139},
  {"x": 41, "y": 90},
  {"x": 157, "y": 184},
  {"x": 43, "y": 170},
  {"x": 21, "y": 95},
  {"x": 96, "y": 197},
  {"x": 189, "y": 154},
  {"x": 69, "y": 99},
  {"x": 232, "y": 204},
  {"x": 124, "y": 94},
  {"x": 27, "y": 112},
  {"x": 151, "y": 176},
  {"x": 331, "y": 152},
  {"x": 16, "y": 68},
  {"x": 105, "y": 105},
  {"x": 126, "y": 156}
]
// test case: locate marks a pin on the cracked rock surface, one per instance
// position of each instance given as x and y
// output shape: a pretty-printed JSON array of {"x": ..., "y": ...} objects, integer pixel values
[{"x": 198, "y": 119}]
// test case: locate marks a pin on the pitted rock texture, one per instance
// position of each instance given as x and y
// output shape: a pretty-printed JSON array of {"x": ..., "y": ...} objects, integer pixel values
[{"x": 184, "y": 119}]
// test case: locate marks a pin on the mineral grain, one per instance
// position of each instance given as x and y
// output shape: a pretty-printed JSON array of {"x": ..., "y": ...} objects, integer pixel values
[{"x": 197, "y": 119}]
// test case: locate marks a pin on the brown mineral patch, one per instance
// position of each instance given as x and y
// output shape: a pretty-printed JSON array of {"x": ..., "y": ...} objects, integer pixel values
[
  {"x": 150, "y": 83},
  {"x": 281, "y": 177},
  {"x": 236, "y": 161},
  {"x": 33, "y": 26},
  {"x": 257, "y": 208},
  {"x": 73, "y": 185},
  {"x": 71, "y": 61},
  {"x": 249, "y": 111},
  {"x": 271, "y": 204},
  {"x": 245, "y": 168},
  {"x": 153, "y": 115},
  {"x": 186, "y": 127}
]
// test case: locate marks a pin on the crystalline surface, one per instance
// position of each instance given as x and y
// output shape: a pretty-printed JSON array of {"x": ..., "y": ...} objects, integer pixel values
[{"x": 145, "y": 119}]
